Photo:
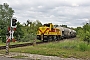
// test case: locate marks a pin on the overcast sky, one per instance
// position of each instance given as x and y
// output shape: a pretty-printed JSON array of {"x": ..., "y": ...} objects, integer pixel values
[{"x": 69, "y": 12}]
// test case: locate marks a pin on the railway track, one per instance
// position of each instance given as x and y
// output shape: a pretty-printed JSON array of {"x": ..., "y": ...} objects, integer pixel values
[
  {"x": 20, "y": 45},
  {"x": 26, "y": 44}
]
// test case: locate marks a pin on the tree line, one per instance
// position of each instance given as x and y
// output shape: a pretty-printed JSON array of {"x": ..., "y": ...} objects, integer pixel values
[{"x": 27, "y": 31}]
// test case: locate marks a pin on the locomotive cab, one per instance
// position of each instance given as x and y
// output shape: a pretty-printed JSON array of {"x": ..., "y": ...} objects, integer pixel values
[{"x": 49, "y": 25}]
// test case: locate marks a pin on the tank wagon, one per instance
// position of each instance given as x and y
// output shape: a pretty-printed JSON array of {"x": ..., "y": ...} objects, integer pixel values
[
  {"x": 73, "y": 33},
  {"x": 66, "y": 32},
  {"x": 49, "y": 32}
]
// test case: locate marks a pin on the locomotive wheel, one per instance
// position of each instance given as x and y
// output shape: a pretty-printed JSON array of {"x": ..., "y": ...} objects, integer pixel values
[
  {"x": 58, "y": 37},
  {"x": 48, "y": 38},
  {"x": 52, "y": 38},
  {"x": 55, "y": 38}
]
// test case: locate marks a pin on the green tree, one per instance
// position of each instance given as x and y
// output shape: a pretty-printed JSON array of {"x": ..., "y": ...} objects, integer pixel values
[
  {"x": 30, "y": 29},
  {"x": 18, "y": 33},
  {"x": 86, "y": 29},
  {"x": 84, "y": 32},
  {"x": 64, "y": 26},
  {"x": 6, "y": 13}
]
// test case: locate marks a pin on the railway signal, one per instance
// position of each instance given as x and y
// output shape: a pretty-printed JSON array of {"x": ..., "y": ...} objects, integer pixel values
[
  {"x": 9, "y": 34},
  {"x": 13, "y": 22}
]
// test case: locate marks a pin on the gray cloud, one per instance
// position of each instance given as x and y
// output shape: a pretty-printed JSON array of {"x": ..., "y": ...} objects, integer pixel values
[{"x": 69, "y": 12}]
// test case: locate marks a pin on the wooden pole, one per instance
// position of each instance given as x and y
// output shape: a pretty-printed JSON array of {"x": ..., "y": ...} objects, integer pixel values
[
  {"x": 7, "y": 45},
  {"x": 34, "y": 42},
  {"x": 7, "y": 48}
]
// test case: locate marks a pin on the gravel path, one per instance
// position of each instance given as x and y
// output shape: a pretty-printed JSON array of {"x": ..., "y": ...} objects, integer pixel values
[
  {"x": 37, "y": 57},
  {"x": 5, "y": 58}
]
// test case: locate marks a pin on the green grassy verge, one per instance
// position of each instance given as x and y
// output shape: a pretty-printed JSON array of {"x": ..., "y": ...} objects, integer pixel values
[{"x": 67, "y": 48}]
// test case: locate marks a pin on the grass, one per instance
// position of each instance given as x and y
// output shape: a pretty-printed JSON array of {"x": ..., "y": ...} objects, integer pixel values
[{"x": 66, "y": 48}]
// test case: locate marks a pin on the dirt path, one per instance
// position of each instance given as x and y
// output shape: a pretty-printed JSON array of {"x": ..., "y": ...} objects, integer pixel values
[
  {"x": 37, "y": 57},
  {"x": 5, "y": 58}
]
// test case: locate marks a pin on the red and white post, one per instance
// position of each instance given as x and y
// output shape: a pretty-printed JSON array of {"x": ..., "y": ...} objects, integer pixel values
[
  {"x": 8, "y": 38},
  {"x": 9, "y": 35}
]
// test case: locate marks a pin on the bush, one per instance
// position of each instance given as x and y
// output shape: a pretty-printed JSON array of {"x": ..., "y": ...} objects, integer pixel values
[
  {"x": 28, "y": 38},
  {"x": 87, "y": 37},
  {"x": 84, "y": 32}
]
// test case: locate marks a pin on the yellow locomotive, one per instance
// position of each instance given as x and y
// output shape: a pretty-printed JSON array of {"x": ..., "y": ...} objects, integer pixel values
[{"x": 48, "y": 32}]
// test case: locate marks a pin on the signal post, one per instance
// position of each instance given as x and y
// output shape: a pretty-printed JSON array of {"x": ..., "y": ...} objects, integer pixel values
[{"x": 9, "y": 34}]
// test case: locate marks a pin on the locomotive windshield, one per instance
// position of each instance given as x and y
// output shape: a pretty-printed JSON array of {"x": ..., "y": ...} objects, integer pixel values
[{"x": 48, "y": 25}]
